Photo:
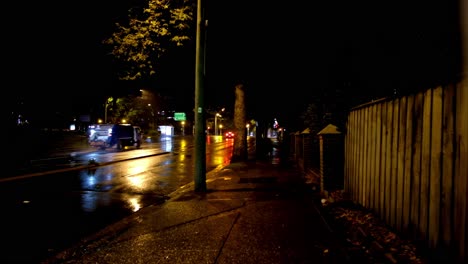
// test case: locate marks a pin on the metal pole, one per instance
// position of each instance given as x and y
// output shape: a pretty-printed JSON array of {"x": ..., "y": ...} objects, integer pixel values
[
  {"x": 200, "y": 137},
  {"x": 105, "y": 112},
  {"x": 216, "y": 124}
]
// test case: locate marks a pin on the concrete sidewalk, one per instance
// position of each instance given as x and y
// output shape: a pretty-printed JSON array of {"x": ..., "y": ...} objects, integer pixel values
[{"x": 253, "y": 212}]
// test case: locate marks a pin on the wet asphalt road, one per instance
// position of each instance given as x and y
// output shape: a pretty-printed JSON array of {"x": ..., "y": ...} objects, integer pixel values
[{"x": 46, "y": 213}]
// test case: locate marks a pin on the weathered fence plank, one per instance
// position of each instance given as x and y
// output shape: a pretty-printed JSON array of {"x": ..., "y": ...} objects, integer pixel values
[
  {"x": 355, "y": 191},
  {"x": 401, "y": 141},
  {"x": 448, "y": 158},
  {"x": 426, "y": 165},
  {"x": 352, "y": 153},
  {"x": 388, "y": 173},
  {"x": 394, "y": 169},
  {"x": 364, "y": 156},
  {"x": 435, "y": 167},
  {"x": 366, "y": 176},
  {"x": 373, "y": 159},
  {"x": 357, "y": 156},
  {"x": 407, "y": 194},
  {"x": 368, "y": 155},
  {"x": 416, "y": 160},
  {"x": 383, "y": 158},
  {"x": 461, "y": 167},
  {"x": 365, "y": 138},
  {"x": 378, "y": 158}
]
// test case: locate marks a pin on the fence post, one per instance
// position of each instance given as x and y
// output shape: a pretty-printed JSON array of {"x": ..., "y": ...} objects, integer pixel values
[{"x": 331, "y": 158}]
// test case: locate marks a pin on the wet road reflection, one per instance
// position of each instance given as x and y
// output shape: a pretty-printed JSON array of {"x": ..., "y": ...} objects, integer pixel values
[
  {"x": 227, "y": 145},
  {"x": 49, "y": 213},
  {"x": 157, "y": 176}
]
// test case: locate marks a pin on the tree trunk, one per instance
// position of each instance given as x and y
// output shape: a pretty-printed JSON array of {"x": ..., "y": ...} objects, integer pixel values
[{"x": 240, "y": 138}]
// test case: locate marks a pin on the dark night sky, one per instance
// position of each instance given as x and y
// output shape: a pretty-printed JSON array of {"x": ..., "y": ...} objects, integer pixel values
[
  {"x": 287, "y": 52},
  {"x": 280, "y": 52}
]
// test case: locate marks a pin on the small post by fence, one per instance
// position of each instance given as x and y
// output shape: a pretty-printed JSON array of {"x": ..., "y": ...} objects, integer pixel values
[{"x": 331, "y": 158}]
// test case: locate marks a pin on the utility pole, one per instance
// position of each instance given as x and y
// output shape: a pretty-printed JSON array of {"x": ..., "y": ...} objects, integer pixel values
[
  {"x": 216, "y": 125},
  {"x": 200, "y": 137},
  {"x": 106, "y": 105},
  {"x": 105, "y": 113}
]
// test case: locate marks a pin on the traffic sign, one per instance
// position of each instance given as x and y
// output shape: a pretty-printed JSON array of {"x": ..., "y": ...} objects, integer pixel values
[{"x": 179, "y": 117}]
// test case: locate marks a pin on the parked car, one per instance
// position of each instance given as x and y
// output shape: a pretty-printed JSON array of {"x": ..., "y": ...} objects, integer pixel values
[{"x": 115, "y": 135}]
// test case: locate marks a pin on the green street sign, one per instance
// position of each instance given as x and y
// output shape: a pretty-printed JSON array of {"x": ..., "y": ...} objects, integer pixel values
[{"x": 179, "y": 116}]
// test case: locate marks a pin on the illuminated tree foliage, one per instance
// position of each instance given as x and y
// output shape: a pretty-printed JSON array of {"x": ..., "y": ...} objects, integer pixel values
[{"x": 149, "y": 33}]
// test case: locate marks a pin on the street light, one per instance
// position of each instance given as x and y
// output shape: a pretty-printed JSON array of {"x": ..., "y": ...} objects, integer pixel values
[{"x": 216, "y": 123}]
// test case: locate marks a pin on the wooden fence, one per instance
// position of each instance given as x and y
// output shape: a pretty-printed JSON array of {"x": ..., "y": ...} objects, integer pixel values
[{"x": 406, "y": 160}]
